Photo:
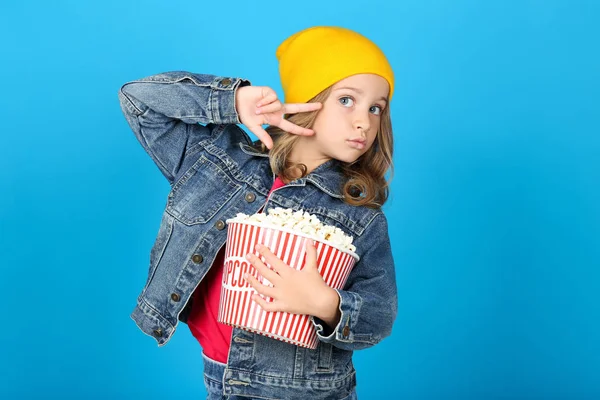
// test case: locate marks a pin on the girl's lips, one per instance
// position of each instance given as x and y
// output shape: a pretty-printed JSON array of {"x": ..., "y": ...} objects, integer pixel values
[{"x": 356, "y": 144}]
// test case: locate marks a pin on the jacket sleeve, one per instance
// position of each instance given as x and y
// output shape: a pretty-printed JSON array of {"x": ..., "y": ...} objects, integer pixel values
[
  {"x": 369, "y": 302},
  {"x": 167, "y": 113}
]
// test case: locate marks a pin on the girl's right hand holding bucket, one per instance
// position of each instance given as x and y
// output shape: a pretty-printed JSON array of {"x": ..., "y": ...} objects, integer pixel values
[{"x": 259, "y": 105}]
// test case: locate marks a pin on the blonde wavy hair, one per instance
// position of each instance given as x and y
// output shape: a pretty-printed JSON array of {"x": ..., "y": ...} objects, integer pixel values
[{"x": 365, "y": 183}]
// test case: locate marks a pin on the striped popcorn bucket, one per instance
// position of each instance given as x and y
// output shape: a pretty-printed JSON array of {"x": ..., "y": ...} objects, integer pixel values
[{"x": 236, "y": 307}]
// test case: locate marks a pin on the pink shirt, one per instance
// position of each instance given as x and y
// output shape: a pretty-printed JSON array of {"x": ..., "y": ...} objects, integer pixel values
[{"x": 213, "y": 336}]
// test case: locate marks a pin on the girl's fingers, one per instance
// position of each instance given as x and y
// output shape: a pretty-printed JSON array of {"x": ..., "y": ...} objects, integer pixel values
[
  {"x": 270, "y": 108},
  {"x": 269, "y": 96},
  {"x": 294, "y": 108},
  {"x": 277, "y": 265},
  {"x": 259, "y": 287},
  {"x": 262, "y": 269},
  {"x": 262, "y": 135},
  {"x": 265, "y": 305},
  {"x": 289, "y": 108},
  {"x": 311, "y": 251},
  {"x": 295, "y": 129}
]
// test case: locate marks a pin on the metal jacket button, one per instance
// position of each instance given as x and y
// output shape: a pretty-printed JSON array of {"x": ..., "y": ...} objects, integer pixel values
[
  {"x": 197, "y": 258},
  {"x": 220, "y": 224},
  {"x": 250, "y": 197},
  {"x": 226, "y": 82},
  {"x": 158, "y": 332},
  {"x": 175, "y": 297},
  {"x": 346, "y": 330}
]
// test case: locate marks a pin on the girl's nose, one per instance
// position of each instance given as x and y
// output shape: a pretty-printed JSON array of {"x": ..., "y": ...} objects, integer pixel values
[{"x": 362, "y": 123}]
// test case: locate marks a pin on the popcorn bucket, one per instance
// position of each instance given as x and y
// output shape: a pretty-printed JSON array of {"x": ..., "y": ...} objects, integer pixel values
[{"x": 236, "y": 307}]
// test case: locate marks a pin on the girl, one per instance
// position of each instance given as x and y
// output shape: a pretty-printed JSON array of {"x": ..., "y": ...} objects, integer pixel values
[{"x": 326, "y": 151}]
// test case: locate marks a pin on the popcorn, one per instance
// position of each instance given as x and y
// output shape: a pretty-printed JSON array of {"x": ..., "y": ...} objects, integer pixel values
[{"x": 300, "y": 221}]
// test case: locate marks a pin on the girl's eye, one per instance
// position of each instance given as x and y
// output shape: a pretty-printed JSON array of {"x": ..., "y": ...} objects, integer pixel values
[
  {"x": 377, "y": 108},
  {"x": 346, "y": 101}
]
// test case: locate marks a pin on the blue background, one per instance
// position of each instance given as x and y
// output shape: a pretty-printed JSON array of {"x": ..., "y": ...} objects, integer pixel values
[{"x": 495, "y": 215}]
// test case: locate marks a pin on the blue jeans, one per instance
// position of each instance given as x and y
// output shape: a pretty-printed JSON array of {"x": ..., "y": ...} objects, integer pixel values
[{"x": 213, "y": 380}]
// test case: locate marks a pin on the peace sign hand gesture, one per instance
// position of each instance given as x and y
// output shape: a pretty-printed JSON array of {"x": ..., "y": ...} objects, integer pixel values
[{"x": 259, "y": 105}]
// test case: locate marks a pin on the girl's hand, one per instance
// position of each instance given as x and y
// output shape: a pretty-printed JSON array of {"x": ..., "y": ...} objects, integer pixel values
[
  {"x": 258, "y": 105},
  {"x": 293, "y": 291}
]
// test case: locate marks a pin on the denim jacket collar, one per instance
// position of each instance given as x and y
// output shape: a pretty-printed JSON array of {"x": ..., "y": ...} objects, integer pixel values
[{"x": 327, "y": 176}]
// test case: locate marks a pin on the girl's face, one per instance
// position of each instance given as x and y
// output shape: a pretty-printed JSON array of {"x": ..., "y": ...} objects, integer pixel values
[{"x": 347, "y": 125}]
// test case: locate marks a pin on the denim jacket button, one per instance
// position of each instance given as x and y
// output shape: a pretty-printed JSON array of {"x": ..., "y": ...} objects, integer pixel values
[
  {"x": 220, "y": 224},
  {"x": 346, "y": 330},
  {"x": 175, "y": 297},
  {"x": 197, "y": 258},
  {"x": 158, "y": 332},
  {"x": 226, "y": 82},
  {"x": 250, "y": 197}
]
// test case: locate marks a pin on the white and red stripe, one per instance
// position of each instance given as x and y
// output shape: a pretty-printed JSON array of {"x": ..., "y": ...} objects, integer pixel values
[{"x": 236, "y": 306}]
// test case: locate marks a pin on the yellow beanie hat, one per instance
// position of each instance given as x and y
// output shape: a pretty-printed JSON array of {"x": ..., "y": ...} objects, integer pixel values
[{"x": 316, "y": 58}]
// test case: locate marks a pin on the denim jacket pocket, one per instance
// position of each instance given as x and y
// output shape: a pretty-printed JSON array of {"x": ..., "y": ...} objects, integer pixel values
[{"x": 200, "y": 193}]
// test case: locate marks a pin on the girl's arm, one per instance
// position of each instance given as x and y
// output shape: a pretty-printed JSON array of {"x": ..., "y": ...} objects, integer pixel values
[
  {"x": 165, "y": 112},
  {"x": 368, "y": 306},
  {"x": 355, "y": 318}
]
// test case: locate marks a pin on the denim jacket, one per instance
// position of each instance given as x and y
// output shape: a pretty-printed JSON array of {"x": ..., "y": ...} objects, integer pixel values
[{"x": 187, "y": 123}]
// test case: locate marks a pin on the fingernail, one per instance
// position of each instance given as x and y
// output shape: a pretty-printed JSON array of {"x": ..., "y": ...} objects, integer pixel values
[
  {"x": 248, "y": 256},
  {"x": 257, "y": 111},
  {"x": 245, "y": 276},
  {"x": 258, "y": 246}
]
